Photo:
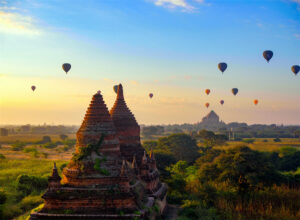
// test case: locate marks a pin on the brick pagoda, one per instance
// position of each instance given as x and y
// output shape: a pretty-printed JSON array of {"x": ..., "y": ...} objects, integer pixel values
[{"x": 110, "y": 175}]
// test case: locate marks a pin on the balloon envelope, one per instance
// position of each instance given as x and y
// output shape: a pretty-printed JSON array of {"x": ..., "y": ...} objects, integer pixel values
[
  {"x": 255, "y": 101},
  {"x": 66, "y": 67},
  {"x": 207, "y": 91},
  {"x": 222, "y": 67},
  {"x": 268, "y": 54},
  {"x": 295, "y": 69},
  {"x": 234, "y": 91},
  {"x": 116, "y": 88},
  {"x": 207, "y": 105},
  {"x": 150, "y": 95},
  {"x": 33, "y": 88},
  {"x": 222, "y": 102}
]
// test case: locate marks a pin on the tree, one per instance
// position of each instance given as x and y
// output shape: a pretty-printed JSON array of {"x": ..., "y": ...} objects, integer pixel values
[
  {"x": 286, "y": 151},
  {"x": 2, "y": 157},
  {"x": 178, "y": 173},
  {"x": 2, "y": 197},
  {"x": 148, "y": 145},
  {"x": 276, "y": 140},
  {"x": 152, "y": 130},
  {"x": 182, "y": 146},
  {"x": 46, "y": 139},
  {"x": 164, "y": 160},
  {"x": 290, "y": 161},
  {"x": 210, "y": 139},
  {"x": 63, "y": 136},
  {"x": 27, "y": 184},
  {"x": 241, "y": 167}
]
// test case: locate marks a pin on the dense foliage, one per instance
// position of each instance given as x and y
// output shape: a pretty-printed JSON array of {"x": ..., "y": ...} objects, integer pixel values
[
  {"x": 232, "y": 183},
  {"x": 22, "y": 182},
  {"x": 241, "y": 130}
]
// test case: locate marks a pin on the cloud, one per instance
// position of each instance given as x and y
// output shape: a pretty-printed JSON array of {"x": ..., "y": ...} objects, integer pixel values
[
  {"x": 296, "y": 1},
  {"x": 134, "y": 82},
  {"x": 297, "y": 36},
  {"x": 184, "y": 5},
  {"x": 260, "y": 25},
  {"x": 16, "y": 23}
]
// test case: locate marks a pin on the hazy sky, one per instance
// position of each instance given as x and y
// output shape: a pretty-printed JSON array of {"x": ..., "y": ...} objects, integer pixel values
[{"x": 168, "y": 47}]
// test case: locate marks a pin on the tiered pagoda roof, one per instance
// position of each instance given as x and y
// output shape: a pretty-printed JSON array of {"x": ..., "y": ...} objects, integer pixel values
[
  {"x": 97, "y": 122},
  {"x": 104, "y": 179},
  {"x": 125, "y": 122}
]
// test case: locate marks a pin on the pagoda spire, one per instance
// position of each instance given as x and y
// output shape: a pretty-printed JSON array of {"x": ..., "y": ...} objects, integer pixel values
[
  {"x": 123, "y": 168},
  {"x": 144, "y": 159},
  {"x": 124, "y": 121},
  {"x": 97, "y": 122},
  {"x": 54, "y": 179},
  {"x": 152, "y": 155},
  {"x": 134, "y": 164}
]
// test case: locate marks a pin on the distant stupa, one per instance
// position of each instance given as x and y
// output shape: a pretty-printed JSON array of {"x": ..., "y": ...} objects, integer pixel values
[
  {"x": 110, "y": 175},
  {"x": 211, "y": 117},
  {"x": 211, "y": 121}
]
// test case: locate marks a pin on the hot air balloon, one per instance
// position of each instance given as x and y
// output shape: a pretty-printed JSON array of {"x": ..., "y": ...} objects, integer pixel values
[
  {"x": 207, "y": 105},
  {"x": 150, "y": 95},
  {"x": 66, "y": 67},
  {"x": 255, "y": 101},
  {"x": 222, "y": 102},
  {"x": 295, "y": 69},
  {"x": 207, "y": 91},
  {"x": 116, "y": 88},
  {"x": 234, "y": 91},
  {"x": 268, "y": 54},
  {"x": 222, "y": 67},
  {"x": 33, "y": 88}
]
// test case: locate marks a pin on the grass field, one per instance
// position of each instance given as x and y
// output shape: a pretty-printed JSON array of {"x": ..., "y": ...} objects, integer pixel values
[
  {"x": 9, "y": 172},
  {"x": 31, "y": 138},
  {"x": 34, "y": 150}
]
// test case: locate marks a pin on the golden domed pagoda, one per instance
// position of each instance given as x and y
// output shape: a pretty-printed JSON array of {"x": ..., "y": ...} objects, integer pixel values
[{"x": 110, "y": 176}]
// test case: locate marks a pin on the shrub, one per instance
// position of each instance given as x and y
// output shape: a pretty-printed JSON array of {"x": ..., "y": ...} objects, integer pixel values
[
  {"x": 46, "y": 139},
  {"x": 63, "y": 136},
  {"x": 49, "y": 145},
  {"x": 2, "y": 197},
  {"x": 249, "y": 140},
  {"x": 63, "y": 166},
  {"x": 17, "y": 146},
  {"x": 28, "y": 184},
  {"x": 30, "y": 202},
  {"x": 276, "y": 140},
  {"x": 2, "y": 157},
  {"x": 33, "y": 151}
]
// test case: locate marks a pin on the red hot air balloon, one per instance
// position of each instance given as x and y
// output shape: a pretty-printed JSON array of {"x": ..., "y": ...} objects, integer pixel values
[
  {"x": 33, "y": 88},
  {"x": 66, "y": 67},
  {"x": 150, "y": 95},
  {"x": 207, "y": 91},
  {"x": 207, "y": 105},
  {"x": 222, "y": 102},
  {"x": 255, "y": 101}
]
